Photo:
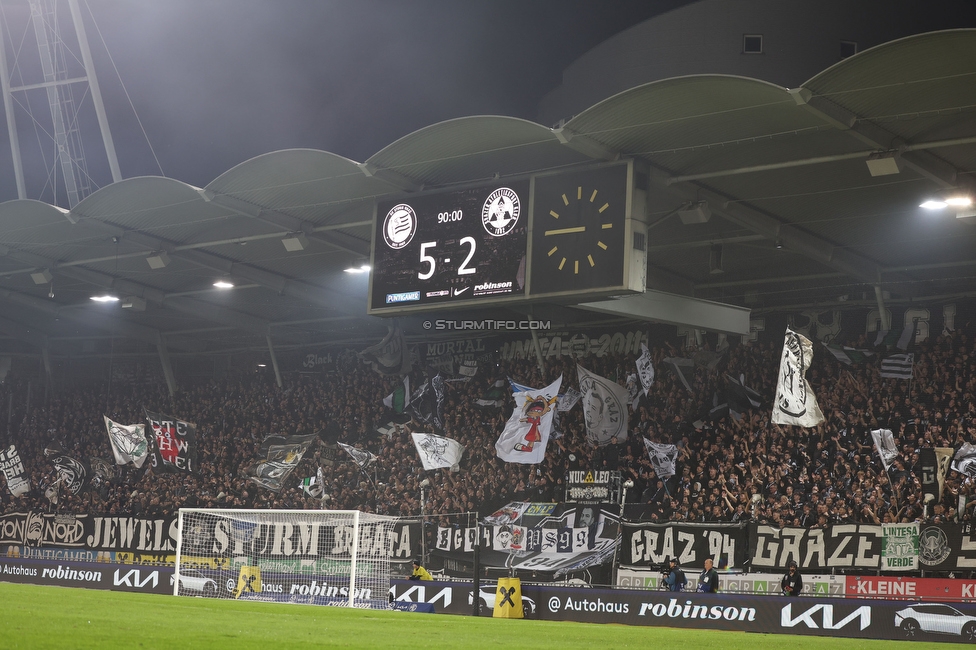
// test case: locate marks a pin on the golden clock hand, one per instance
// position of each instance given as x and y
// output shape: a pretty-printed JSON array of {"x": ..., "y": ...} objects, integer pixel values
[{"x": 565, "y": 231}]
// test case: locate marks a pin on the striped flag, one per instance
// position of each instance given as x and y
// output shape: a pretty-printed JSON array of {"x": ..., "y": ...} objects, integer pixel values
[{"x": 898, "y": 366}]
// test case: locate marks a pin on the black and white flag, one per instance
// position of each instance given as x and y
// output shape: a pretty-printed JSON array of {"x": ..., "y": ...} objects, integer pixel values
[
  {"x": 362, "y": 457},
  {"x": 662, "y": 458},
  {"x": 964, "y": 461},
  {"x": 604, "y": 407},
  {"x": 645, "y": 368},
  {"x": 884, "y": 443},
  {"x": 568, "y": 400},
  {"x": 934, "y": 462},
  {"x": 128, "y": 442},
  {"x": 391, "y": 355},
  {"x": 849, "y": 356},
  {"x": 279, "y": 456},
  {"x": 741, "y": 397},
  {"x": 633, "y": 390},
  {"x": 314, "y": 486},
  {"x": 684, "y": 369},
  {"x": 13, "y": 469},
  {"x": 468, "y": 369},
  {"x": 437, "y": 452},
  {"x": 795, "y": 402},
  {"x": 72, "y": 472},
  {"x": 898, "y": 366}
]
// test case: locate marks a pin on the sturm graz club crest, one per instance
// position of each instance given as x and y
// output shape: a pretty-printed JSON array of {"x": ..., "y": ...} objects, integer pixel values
[
  {"x": 400, "y": 226},
  {"x": 500, "y": 212},
  {"x": 933, "y": 546}
]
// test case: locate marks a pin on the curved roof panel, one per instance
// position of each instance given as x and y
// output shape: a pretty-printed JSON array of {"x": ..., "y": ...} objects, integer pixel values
[{"x": 473, "y": 149}]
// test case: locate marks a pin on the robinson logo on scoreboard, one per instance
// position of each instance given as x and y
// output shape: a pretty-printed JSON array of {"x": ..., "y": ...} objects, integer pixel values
[
  {"x": 400, "y": 226},
  {"x": 500, "y": 212}
]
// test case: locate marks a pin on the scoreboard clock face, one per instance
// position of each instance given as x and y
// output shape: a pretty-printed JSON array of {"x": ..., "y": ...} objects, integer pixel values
[
  {"x": 436, "y": 250},
  {"x": 579, "y": 231}
]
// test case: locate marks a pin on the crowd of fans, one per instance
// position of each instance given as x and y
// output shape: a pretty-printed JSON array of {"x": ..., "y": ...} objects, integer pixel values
[{"x": 728, "y": 468}]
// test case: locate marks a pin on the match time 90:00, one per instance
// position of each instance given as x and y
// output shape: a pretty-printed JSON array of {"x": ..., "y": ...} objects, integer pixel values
[{"x": 447, "y": 217}]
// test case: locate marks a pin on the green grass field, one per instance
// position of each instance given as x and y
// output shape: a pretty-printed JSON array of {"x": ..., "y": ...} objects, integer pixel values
[{"x": 37, "y": 617}]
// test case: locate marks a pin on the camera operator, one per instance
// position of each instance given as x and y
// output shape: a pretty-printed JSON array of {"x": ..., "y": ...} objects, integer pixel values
[
  {"x": 792, "y": 583},
  {"x": 675, "y": 579}
]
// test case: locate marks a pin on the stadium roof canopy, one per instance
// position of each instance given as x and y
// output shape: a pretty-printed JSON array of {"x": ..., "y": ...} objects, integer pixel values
[{"x": 784, "y": 173}]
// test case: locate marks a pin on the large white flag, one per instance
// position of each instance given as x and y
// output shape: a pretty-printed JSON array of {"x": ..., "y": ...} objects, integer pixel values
[
  {"x": 662, "y": 458},
  {"x": 129, "y": 443},
  {"x": 885, "y": 445},
  {"x": 604, "y": 407},
  {"x": 437, "y": 451},
  {"x": 795, "y": 402},
  {"x": 526, "y": 434}
]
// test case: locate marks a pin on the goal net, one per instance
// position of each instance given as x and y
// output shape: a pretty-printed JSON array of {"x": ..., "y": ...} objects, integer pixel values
[{"x": 321, "y": 557}]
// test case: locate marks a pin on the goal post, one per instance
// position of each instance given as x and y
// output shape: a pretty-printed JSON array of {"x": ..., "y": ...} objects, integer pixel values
[{"x": 323, "y": 557}]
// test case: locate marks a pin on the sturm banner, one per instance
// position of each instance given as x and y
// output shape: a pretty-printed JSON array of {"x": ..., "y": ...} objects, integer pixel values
[{"x": 217, "y": 537}]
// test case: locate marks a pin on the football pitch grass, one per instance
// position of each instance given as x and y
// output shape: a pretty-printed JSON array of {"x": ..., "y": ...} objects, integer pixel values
[{"x": 38, "y": 617}]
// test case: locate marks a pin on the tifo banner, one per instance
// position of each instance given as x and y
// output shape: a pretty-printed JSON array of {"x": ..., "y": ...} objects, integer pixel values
[
  {"x": 549, "y": 540},
  {"x": 605, "y": 405},
  {"x": 652, "y": 545},
  {"x": 576, "y": 345},
  {"x": 13, "y": 469},
  {"x": 279, "y": 456},
  {"x": 128, "y": 442},
  {"x": 795, "y": 402},
  {"x": 175, "y": 443},
  {"x": 592, "y": 486}
]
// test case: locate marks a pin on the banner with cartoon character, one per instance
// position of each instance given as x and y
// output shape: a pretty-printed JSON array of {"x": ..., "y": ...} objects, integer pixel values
[{"x": 526, "y": 434}]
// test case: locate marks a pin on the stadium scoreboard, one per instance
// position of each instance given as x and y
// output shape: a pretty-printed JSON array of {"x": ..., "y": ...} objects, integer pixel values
[{"x": 562, "y": 236}]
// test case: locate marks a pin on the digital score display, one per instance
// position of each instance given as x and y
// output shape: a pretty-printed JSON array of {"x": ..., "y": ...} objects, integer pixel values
[{"x": 461, "y": 247}]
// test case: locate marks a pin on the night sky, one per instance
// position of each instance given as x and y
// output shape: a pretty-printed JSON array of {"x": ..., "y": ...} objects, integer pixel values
[{"x": 217, "y": 82}]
